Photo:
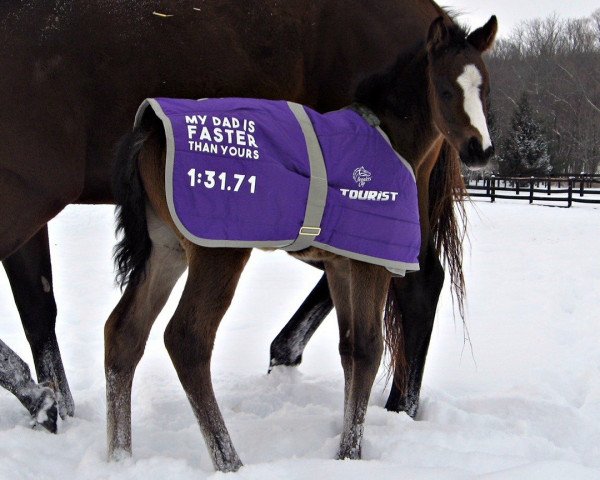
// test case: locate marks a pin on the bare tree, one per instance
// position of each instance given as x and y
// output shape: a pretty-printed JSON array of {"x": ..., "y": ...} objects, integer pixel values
[{"x": 556, "y": 63}]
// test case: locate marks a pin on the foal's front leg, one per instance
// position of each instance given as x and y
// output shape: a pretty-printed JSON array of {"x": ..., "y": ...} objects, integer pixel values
[
  {"x": 368, "y": 287},
  {"x": 212, "y": 279}
]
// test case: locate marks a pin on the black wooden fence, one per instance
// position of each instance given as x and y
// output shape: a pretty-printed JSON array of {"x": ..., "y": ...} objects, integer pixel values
[{"x": 569, "y": 189}]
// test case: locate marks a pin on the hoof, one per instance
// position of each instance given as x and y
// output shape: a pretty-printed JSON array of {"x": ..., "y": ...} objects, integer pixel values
[
  {"x": 66, "y": 405},
  {"x": 45, "y": 410},
  {"x": 412, "y": 410},
  {"x": 230, "y": 467},
  {"x": 408, "y": 404},
  {"x": 119, "y": 455},
  {"x": 64, "y": 399},
  {"x": 349, "y": 454},
  {"x": 284, "y": 359}
]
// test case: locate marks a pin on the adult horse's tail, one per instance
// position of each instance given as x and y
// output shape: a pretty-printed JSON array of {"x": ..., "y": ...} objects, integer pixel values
[
  {"x": 133, "y": 250},
  {"x": 447, "y": 218}
]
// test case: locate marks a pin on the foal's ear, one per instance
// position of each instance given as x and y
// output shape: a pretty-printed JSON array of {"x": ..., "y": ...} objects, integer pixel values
[
  {"x": 438, "y": 36},
  {"x": 483, "y": 38}
]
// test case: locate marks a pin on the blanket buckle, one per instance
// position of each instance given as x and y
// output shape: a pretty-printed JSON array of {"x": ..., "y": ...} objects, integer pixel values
[{"x": 310, "y": 231}]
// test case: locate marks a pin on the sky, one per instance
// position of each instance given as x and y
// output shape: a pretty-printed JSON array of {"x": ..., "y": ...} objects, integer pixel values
[{"x": 511, "y": 12}]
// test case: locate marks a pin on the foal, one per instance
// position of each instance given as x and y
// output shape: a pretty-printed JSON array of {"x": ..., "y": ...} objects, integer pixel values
[{"x": 438, "y": 92}]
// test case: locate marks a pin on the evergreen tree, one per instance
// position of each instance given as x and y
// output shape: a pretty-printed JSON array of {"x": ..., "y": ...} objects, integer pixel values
[{"x": 524, "y": 149}]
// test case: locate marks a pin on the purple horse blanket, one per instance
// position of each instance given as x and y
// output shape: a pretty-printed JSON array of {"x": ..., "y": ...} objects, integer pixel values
[{"x": 273, "y": 174}]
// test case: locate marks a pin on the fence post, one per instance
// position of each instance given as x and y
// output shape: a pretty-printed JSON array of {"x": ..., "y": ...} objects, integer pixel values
[
  {"x": 581, "y": 187},
  {"x": 493, "y": 188},
  {"x": 531, "y": 183},
  {"x": 570, "y": 194},
  {"x": 518, "y": 186},
  {"x": 549, "y": 185}
]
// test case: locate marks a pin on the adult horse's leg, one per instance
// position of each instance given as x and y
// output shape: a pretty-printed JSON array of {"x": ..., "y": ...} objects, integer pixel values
[
  {"x": 416, "y": 296},
  {"x": 128, "y": 327},
  {"x": 288, "y": 345},
  {"x": 39, "y": 400},
  {"x": 212, "y": 279},
  {"x": 31, "y": 194},
  {"x": 29, "y": 272},
  {"x": 359, "y": 291}
]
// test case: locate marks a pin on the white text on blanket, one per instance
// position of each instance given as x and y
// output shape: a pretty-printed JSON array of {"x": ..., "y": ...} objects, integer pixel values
[{"x": 222, "y": 136}]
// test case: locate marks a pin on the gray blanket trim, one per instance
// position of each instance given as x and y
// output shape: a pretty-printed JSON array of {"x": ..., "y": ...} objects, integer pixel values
[
  {"x": 396, "y": 268},
  {"x": 317, "y": 191}
]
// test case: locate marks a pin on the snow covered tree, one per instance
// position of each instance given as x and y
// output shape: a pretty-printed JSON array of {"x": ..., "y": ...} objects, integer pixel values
[{"x": 524, "y": 149}]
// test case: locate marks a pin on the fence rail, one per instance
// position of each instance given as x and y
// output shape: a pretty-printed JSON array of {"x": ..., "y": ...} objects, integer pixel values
[{"x": 569, "y": 189}]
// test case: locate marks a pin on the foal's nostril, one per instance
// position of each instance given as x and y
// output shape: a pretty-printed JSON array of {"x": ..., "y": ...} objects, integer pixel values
[{"x": 475, "y": 148}]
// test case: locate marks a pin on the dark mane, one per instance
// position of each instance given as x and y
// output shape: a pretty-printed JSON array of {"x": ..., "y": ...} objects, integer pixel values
[
  {"x": 458, "y": 38},
  {"x": 374, "y": 91},
  {"x": 370, "y": 90}
]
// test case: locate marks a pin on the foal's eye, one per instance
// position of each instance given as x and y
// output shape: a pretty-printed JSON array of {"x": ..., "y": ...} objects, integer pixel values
[{"x": 446, "y": 94}]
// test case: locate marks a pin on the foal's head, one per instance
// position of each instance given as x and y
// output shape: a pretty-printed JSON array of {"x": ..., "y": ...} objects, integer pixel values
[{"x": 459, "y": 88}]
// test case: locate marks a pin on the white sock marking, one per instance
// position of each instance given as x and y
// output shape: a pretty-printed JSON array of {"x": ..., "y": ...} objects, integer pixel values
[{"x": 470, "y": 81}]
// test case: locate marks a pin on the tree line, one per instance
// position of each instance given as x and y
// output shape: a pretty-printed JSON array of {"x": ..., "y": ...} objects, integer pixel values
[{"x": 545, "y": 102}]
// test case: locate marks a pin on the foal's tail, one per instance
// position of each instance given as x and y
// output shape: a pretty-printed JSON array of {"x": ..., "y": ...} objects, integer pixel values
[{"x": 133, "y": 250}]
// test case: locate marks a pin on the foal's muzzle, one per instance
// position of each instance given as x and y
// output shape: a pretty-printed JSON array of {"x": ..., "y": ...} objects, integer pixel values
[{"x": 474, "y": 156}]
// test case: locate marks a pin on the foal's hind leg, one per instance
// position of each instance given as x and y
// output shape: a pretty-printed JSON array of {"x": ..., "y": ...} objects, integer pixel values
[
  {"x": 30, "y": 275},
  {"x": 361, "y": 355},
  {"x": 128, "y": 327},
  {"x": 212, "y": 279}
]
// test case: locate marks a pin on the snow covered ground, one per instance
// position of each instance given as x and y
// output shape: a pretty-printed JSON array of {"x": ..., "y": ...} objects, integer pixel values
[{"x": 524, "y": 403}]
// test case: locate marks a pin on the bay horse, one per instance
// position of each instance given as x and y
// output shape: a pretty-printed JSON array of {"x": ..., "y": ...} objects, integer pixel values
[
  {"x": 438, "y": 90},
  {"x": 64, "y": 62}
]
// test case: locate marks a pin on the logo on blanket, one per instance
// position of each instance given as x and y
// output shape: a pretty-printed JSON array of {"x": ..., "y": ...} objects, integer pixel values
[{"x": 361, "y": 176}]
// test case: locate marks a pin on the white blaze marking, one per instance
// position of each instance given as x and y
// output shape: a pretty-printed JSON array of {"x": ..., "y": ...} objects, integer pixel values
[{"x": 470, "y": 81}]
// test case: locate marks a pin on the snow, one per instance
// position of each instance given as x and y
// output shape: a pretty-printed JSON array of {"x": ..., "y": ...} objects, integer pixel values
[{"x": 524, "y": 403}]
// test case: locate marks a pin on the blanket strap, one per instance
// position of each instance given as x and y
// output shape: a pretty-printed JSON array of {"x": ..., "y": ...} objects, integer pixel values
[{"x": 317, "y": 191}]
